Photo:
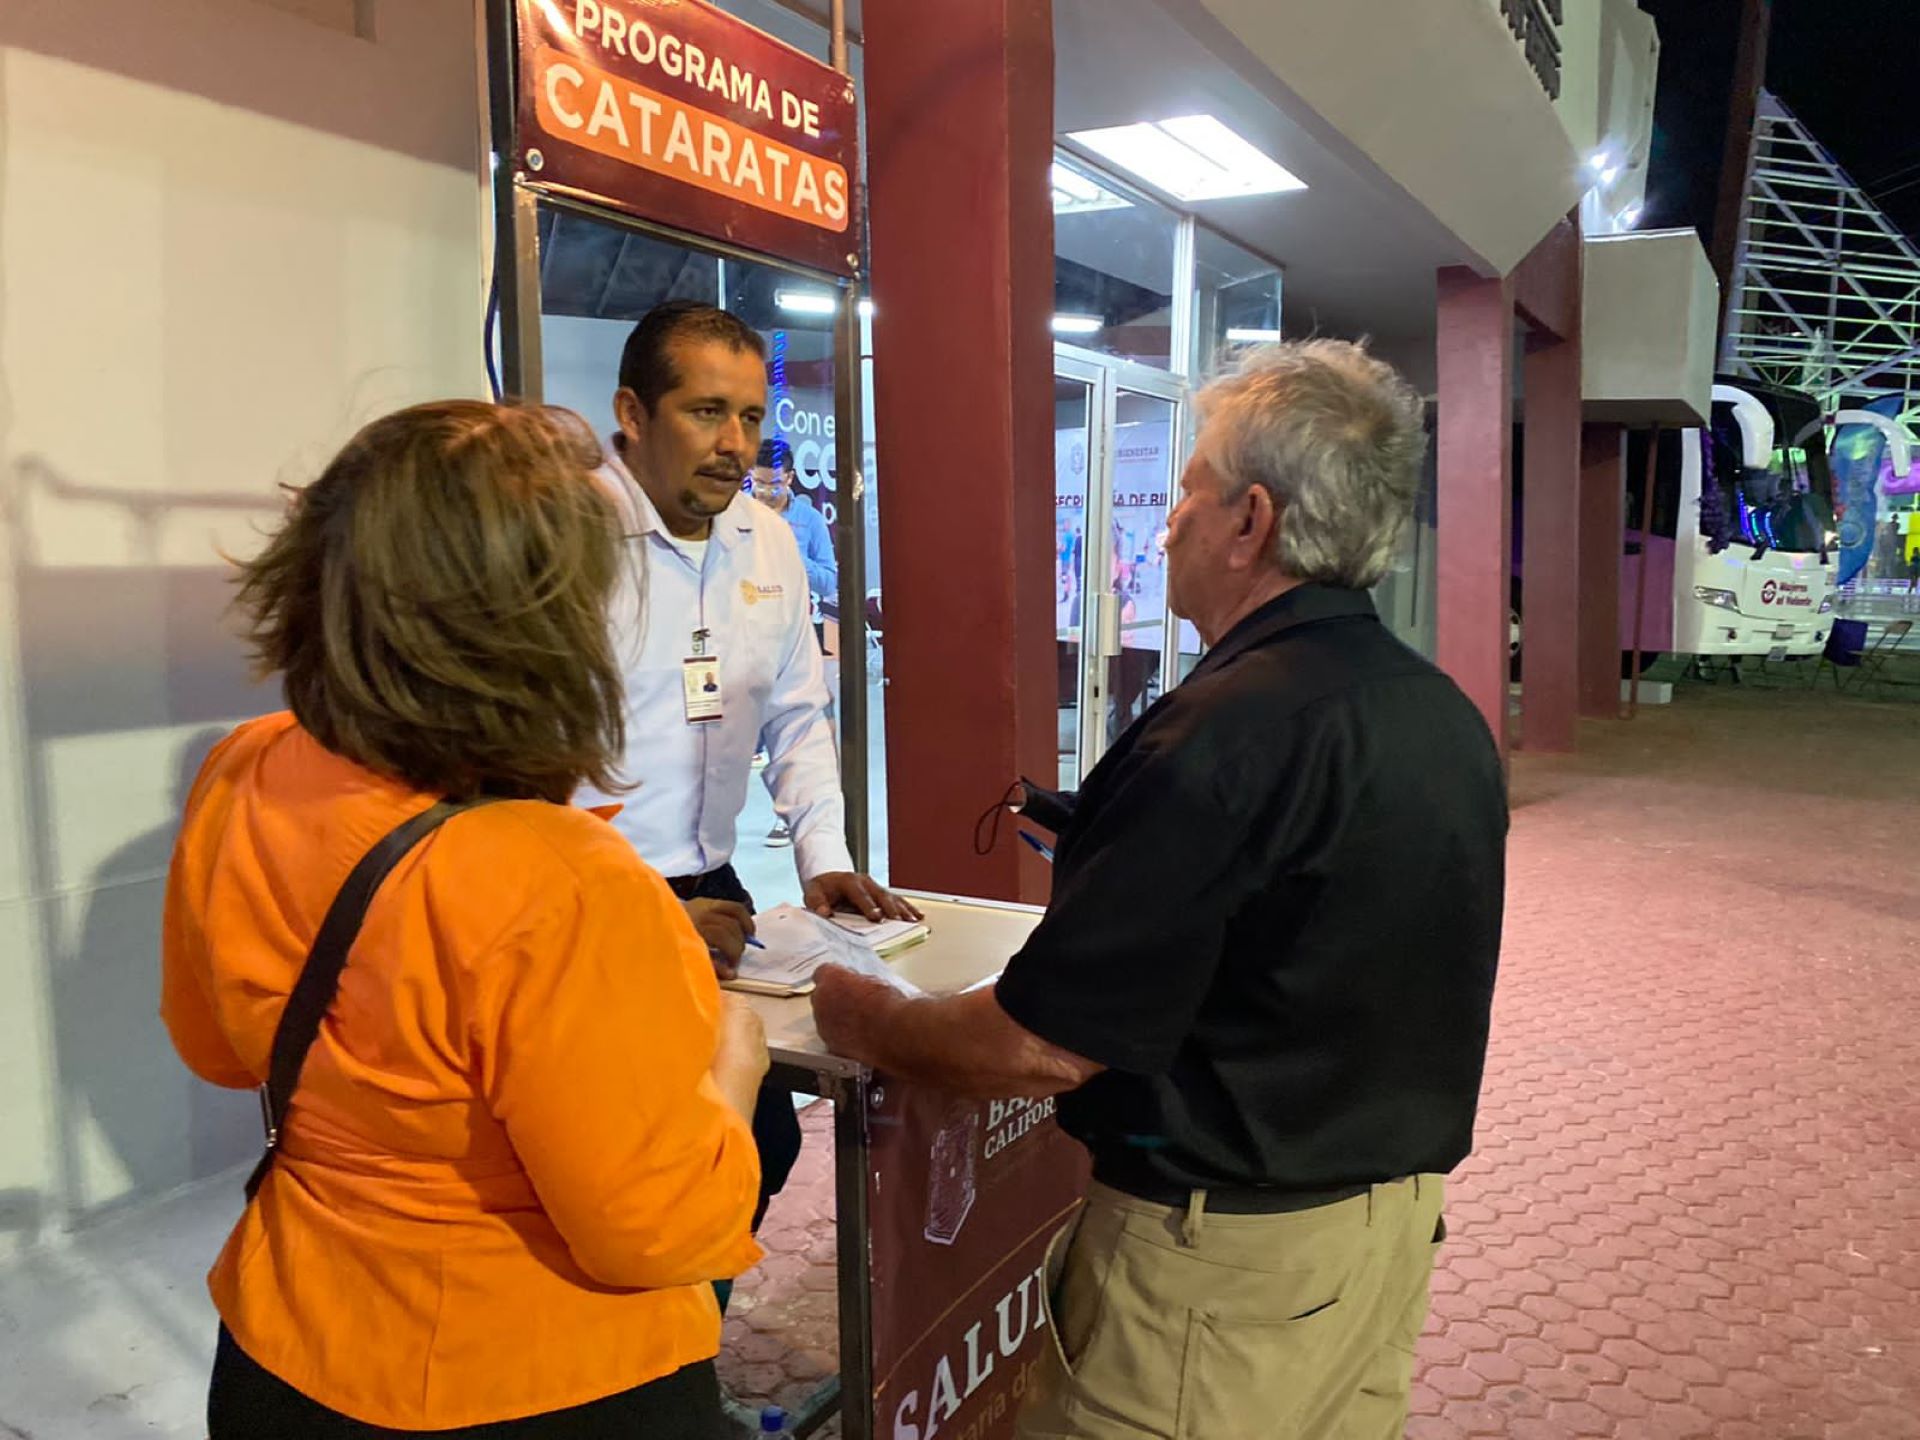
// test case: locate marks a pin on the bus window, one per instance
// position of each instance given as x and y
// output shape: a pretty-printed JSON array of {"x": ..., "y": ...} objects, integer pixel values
[{"x": 1666, "y": 485}]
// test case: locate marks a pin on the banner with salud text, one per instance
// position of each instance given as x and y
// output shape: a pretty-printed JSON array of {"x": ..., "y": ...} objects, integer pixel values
[
  {"x": 963, "y": 1197},
  {"x": 682, "y": 115}
]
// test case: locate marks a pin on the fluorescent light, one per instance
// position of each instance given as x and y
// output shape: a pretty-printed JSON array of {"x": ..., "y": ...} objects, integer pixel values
[
  {"x": 1240, "y": 335},
  {"x": 1077, "y": 194},
  {"x": 1628, "y": 218},
  {"x": 1598, "y": 161},
  {"x": 1609, "y": 175},
  {"x": 1191, "y": 157},
  {"x": 806, "y": 302},
  {"x": 866, "y": 309},
  {"x": 1078, "y": 324}
]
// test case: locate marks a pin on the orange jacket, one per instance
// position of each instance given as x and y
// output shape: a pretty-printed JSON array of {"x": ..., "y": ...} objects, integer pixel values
[{"x": 506, "y": 1178}]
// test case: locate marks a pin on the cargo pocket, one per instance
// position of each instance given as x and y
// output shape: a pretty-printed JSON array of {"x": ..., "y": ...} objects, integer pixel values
[{"x": 1250, "y": 1379}]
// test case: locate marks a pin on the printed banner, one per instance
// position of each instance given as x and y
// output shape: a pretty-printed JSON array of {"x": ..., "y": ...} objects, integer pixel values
[
  {"x": 685, "y": 116},
  {"x": 1136, "y": 566},
  {"x": 964, "y": 1196}
]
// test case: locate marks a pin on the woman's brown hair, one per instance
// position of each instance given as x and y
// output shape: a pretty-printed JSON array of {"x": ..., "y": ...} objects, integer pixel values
[{"x": 437, "y": 603}]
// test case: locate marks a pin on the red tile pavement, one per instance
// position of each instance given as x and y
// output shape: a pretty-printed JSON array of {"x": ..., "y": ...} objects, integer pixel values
[{"x": 1695, "y": 1205}]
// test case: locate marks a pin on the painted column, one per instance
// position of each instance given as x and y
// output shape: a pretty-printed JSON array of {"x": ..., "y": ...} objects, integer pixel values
[
  {"x": 1603, "y": 498},
  {"x": 1474, "y": 542},
  {"x": 1550, "y": 548},
  {"x": 960, "y": 147}
]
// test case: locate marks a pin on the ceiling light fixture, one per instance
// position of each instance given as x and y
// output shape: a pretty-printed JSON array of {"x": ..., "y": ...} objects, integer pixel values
[
  {"x": 1078, "y": 324},
  {"x": 815, "y": 302},
  {"x": 1598, "y": 161},
  {"x": 1077, "y": 194},
  {"x": 806, "y": 302},
  {"x": 1192, "y": 158}
]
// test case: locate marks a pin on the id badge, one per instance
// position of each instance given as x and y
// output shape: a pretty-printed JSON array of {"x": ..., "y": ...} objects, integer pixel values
[{"x": 700, "y": 679}]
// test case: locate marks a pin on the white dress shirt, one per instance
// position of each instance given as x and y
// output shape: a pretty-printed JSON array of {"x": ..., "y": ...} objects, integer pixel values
[{"x": 748, "y": 590}]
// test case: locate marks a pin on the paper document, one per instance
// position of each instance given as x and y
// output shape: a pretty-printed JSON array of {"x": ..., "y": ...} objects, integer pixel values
[
  {"x": 793, "y": 944},
  {"x": 884, "y": 937}
]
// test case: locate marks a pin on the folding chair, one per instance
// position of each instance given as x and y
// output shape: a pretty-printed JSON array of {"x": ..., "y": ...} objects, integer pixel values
[
  {"x": 1846, "y": 644},
  {"x": 1883, "y": 649}
]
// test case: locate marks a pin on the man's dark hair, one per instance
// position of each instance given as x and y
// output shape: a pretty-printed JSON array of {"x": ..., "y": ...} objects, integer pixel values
[
  {"x": 646, "y": 366},
  {"x": 775, "y": 454}
]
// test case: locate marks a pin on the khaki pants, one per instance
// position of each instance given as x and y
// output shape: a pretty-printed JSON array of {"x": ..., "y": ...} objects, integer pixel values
[{"x": 1188, "y": 1325}]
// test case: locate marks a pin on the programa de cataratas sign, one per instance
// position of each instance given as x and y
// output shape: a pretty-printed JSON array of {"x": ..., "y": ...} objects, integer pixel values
[{"x": 675, "y": 112}]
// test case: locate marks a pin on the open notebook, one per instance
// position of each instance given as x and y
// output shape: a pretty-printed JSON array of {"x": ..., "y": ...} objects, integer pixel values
[{"x": 796, "y": 942}]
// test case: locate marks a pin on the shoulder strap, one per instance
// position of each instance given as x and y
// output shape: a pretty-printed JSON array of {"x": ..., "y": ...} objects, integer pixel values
[{"x": 319, "y": 978}]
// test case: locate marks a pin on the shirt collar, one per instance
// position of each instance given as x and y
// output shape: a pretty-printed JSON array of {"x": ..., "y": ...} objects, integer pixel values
[
  {"x": 1309, "y": 604},
  {"x": 643, "y": 518}
]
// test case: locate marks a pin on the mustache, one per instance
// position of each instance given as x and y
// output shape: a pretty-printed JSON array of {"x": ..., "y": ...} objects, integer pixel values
[{"x": 723, "y": 472}]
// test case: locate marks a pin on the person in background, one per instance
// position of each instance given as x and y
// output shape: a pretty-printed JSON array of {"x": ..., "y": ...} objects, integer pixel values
[
  {"x": 517, "y": 1156},
  {"x": 718, "y": 593},
  {"x": 1263, "y": 983},
  {"x": 773, "y": 486}
]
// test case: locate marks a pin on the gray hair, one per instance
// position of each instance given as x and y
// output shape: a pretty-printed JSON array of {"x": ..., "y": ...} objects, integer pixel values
[{"x": 1335, "y": 437}]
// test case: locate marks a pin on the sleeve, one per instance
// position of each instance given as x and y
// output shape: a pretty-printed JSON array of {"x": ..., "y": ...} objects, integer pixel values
[
  {"x": 1171, "y": 846},
  {"x": 186, "y": 1004},
  {"x": 823, "y": 569},
  {"x": 596, "y": 1041},
  {"x": 803, "y": 766}
]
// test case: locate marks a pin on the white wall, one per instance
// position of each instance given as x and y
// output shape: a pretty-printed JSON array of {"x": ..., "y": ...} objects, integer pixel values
[
  {"x": 1436, "y": 96},
  {"x": 1650, "y": 307},
  {"x": 229, "y": 235}
]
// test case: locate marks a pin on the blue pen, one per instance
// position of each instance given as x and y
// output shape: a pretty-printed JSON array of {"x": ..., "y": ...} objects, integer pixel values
[
  {"x": 758, "y": 945},
  {"x": 1046, "y": 851}
]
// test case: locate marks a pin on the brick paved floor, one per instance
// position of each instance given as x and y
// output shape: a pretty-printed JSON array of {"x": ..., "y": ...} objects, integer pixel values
[{"x": 1695, "y": 1205}]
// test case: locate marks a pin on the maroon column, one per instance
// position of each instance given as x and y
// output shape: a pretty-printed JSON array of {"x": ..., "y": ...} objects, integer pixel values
[
  {"x": 1603, "y": 498},
  {"x": 1550, "y": 549},
  {"x": 960, "y": 126},
  {"x": 1475, "y": 454}
]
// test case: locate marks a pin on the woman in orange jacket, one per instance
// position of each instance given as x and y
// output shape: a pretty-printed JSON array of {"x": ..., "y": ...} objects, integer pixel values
[{"x": 517, "y": 1155}]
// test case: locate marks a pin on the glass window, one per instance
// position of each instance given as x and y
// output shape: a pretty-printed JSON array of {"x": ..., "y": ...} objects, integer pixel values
[
  {"x": 597, "y": 279},
  {"x": 1236, "y": 299},
  {"x": 1405, "y": 595},
  {"x": 1113, "y": 267}
]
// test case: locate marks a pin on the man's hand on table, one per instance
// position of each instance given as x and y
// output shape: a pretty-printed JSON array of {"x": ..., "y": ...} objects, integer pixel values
[
  {"x": 862, "y": 894},
  {"x": 724, "y": 925},
  {"x": 850, "y": 1009}
]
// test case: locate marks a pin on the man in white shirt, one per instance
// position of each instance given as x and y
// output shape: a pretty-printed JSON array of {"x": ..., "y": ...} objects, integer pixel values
[{"x": 717, "y": 650}]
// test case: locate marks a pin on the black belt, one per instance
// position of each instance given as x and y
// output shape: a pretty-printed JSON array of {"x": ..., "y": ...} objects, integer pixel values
[{"x": 1226, "y": 1199}]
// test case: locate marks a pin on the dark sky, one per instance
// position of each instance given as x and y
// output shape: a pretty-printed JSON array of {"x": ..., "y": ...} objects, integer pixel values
[{"x": 1842, "y": 66}]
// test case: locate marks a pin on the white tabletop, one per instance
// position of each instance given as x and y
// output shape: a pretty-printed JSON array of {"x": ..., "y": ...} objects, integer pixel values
[{"x": 970, "y": 941}]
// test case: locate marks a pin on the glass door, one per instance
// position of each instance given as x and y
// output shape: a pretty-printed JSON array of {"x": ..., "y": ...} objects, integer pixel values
[
  {"x": 1119, "y": 440},
  {"x": 1076, "y": 412}
]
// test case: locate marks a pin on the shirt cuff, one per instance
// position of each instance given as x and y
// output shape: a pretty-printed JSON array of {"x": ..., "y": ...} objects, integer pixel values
[{"x": 821, "y": 851}]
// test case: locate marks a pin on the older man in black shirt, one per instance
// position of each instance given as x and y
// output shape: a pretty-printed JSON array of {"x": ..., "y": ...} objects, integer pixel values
[{"x": 1265, "y": 974}]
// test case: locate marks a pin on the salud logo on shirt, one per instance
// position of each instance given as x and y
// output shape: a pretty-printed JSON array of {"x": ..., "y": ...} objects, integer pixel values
[{"x": 753, "y": 594}]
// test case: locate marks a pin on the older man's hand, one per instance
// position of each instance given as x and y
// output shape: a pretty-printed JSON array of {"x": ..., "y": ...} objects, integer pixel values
[{"x": 850, "y": 1010}]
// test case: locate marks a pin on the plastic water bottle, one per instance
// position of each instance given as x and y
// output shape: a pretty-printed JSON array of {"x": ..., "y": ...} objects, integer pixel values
[{"x": 773, "y": 1424}]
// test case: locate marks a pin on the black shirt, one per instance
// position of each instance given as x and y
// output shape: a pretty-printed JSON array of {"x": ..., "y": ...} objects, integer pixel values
[{"x": 1276, "y": 916}]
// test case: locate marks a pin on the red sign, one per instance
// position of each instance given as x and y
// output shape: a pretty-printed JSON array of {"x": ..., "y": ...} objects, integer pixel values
[
  {"x": 964, "y": 1196},
  {"x": 675, "y": 112}
]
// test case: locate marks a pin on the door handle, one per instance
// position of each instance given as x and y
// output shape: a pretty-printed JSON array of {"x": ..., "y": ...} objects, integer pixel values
[{"x": 1109, "y": 616}]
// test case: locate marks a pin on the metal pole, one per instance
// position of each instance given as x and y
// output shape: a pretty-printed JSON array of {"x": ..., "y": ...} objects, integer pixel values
[
  {"x": 850, "y": 537},
  {"x": 1640, "y": 588},
  {"x": 1749, "y": 73},
  {"x": 516, "y": 236},
  {"x": 850, "y": 526}
]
